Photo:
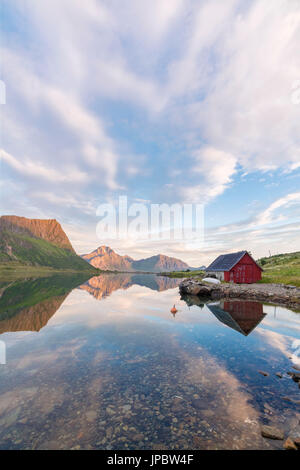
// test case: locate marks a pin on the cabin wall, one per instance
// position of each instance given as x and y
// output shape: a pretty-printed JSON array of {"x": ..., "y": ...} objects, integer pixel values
[
  {"x": 219, "y": 275},
  {"x": 245, "y": 271}
]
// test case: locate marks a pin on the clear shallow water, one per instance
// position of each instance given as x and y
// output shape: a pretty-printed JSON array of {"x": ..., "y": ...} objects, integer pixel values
[{"x": 107, "y": 366}]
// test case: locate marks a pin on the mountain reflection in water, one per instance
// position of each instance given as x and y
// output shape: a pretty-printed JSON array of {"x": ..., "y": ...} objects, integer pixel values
[
  {"x": 102, "y": 286},
  {"x": 28, "y": 305}
]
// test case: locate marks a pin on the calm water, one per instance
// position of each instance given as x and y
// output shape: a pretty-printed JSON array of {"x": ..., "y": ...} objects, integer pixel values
[{"x": 106, "y": 366}]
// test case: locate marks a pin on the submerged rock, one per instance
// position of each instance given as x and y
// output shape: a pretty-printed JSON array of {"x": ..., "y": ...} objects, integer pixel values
[
  {"x": 296, "y": 441},
  {"x": 289, "y": 444},
  {"x": 271, "y": 432},
  {"x": 265, "y": 374}
]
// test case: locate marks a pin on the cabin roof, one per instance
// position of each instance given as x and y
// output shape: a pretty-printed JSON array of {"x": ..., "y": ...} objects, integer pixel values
[{"x": 227, "y": 262}]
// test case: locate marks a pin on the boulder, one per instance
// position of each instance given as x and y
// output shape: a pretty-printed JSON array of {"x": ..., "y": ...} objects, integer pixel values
[{"x": 272, "y": 433}]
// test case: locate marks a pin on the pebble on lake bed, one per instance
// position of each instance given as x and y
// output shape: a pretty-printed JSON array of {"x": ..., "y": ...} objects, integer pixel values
[
  {"x": 271, "y": 432},
  {"x": 289, "y": 444},
  {"x": 265, "y": 374}
]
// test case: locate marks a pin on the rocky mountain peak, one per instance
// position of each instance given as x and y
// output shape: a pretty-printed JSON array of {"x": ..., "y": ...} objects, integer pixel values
[
  {"x": 46, "y": 229},
  {"x": 106, "y": 258}
]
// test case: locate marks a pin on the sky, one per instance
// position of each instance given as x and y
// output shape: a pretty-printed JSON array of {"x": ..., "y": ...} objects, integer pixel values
[{"x": 162, "y": 101}]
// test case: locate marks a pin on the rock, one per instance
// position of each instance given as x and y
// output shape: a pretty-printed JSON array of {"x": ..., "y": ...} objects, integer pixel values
[
  {"x": 91, "y": 415},
  {"x": 126, "y": 408},
  {"x": 289, "y": 444},
  {"x": 159, "y": 447},
  {"x": 279, "y": 375},
  {"x": 296, "y": 367},
  {"x": 287, "y": 399},
  {"x": 198, "y": 404},
  {"x": 192, "y": 287},
  {"x": 138, "y": 437},
  {"x": 193, "y": 290},
  {"x": 294, "y": 375},
  {"x": 49, "y": 445},
  {"x": 198, "y": 290},
  {"x": 271, "y": 432},
  {"x": 207, "y": 413},
  {"x": 198, "y": 442},
  {"x": 265, "y": 374},
  {"x": 296, "y": 441}
]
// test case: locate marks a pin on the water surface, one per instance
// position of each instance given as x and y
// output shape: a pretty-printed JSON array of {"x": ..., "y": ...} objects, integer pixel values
[{"x": 107, "y": 366}]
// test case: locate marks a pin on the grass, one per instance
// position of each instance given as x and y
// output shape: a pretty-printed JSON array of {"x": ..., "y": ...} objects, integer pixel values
[
  {"x": 281, "y": 269},
  {"x": 13, "y": 270},
  {"x": 183, "y": 274},
  {"x": 19, "y": 252}
]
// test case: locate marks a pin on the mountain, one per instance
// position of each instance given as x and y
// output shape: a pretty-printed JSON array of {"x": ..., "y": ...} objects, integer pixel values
[
  {"x": 49, "y": 230},
  {"x": 158, "y": 264},
  {"x": 107, "y": 259},
  {"x": 37, "y": 242},
  {"x": 201, "y": 268}
]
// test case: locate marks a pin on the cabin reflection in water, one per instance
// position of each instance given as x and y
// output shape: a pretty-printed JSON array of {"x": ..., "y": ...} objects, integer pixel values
[{"x": 242, "y": 316}]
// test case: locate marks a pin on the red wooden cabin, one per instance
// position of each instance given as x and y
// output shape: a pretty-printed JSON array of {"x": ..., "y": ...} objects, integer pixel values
[{"x": 236, "y": 267}]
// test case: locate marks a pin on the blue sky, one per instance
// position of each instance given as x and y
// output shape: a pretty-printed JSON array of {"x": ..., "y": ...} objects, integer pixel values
[{"x": 169, "y": 101}]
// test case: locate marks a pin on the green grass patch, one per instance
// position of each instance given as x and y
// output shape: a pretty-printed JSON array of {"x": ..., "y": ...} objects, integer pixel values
[
  {"x": 183, "y": 274},
  {"x": 20, "y": 249},
  {"x": 281, "y": 269}
]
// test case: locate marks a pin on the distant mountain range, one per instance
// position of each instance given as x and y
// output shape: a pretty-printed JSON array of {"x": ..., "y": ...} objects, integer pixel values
[
  {"x": 37, "y": 242},
  {"x": 43, "y": 243},
  {"x": 107, "y": 259}
]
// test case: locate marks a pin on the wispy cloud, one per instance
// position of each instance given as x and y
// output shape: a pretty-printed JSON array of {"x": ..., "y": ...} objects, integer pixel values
[{"x": 27, "y": 167}]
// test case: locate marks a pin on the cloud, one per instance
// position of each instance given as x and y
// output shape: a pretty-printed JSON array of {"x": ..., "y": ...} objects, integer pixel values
[
  {"x": 287, "y": 201},
  {"x": 244, "y": 106},
  {"x": 95, "y": 149},
  {"x": 36, "y": 169},
  {"x": 214, "y": 168}
]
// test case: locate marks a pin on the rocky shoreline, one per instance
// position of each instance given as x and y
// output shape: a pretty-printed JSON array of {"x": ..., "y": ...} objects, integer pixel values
[{"x": 270, "y": 293}]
